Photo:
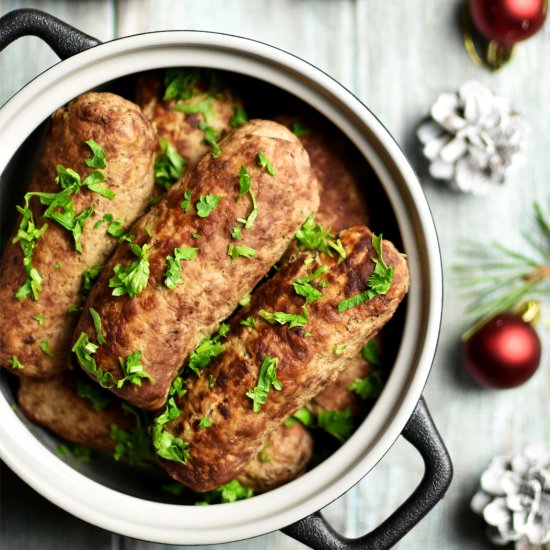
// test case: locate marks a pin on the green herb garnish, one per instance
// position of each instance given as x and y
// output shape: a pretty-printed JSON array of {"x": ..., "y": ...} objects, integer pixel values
[
  {"x": 302, "y": 415},
  {"x": 236, "y": 232},
  {"x": 239, "y": 117},
  {"x": 202, "y": 106},
  {"x": 39, "y": 319},
  {"x": 244, "y": 182},
  {"x": 245, "y": 300},
  {"x": 303, "y": 286},
  {"x": 84, "y": 350},
  {"x": 265, "y": 164},
  {"x": 292, "y": 319},
  {"x": 207, "y": 350},
  {"x": 57, "y": 265},
  {"x": 196, "y": 236},
  {"x": 206, "y": 204},
  {"x": 336, "y": 423},
  {"x": 114, "y": 227},
  {"x": 249, "y": 322},
  {"x": 240, "y": 250},
  {"x": 181, "y": 83},
  {"x": 370, "y": 353},
  {"x": 131, "y": 279},
  {"x": 173, "y": 272},
  {"x": 338, "y": 349},
  {"x": 313, "y": 237},
  {"x": 205, "y": 422},
  {"x": 230, "y": 492},
  {"x": 167, "y": 445},
  {"x": 97, "y": 324},
  {"x": 264, "y": 455},
  {"x": 299, "y": 129},
  {"x": 98, "y": 160},
  {"x": 211, "y": 381},
  {"x": 98, "y": 397},
  {"x": 378, "y": 283},
  {"x": 186, "y": 202},
  {"x": 169, "y": 165},
  {"x": 369, "y": 387},
  {"x": 136, "y": 444},
  {"x": 133, "y": 370},
  {"x": 210, "y": 137},
  {"x": 267, "y": 378},
  {"x": 45, "y": 347},
  {"x": 15, "y": 363}
]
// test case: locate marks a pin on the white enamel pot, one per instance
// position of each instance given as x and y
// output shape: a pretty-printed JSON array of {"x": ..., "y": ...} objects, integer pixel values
[{"x": 93, "y": 494}]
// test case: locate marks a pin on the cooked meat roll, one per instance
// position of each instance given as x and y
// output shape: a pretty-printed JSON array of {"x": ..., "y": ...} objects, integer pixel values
[
  {"x": 302, "y": 359},
  {"x": 36, "y": 334},
  {"x": 165, "y": 317},
  {"x": 282, "y": 458},
  {"x": 58, "y": 405},
  {"x": 181, "y": 129}
]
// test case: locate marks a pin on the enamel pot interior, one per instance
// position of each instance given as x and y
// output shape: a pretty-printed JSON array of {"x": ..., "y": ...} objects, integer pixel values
[{"x": 128, "y": 501}]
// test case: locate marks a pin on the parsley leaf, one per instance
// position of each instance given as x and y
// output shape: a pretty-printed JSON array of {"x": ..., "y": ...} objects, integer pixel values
[
  {"x": 131, "y": 279},
  {"x": 294, "y": 320},
  {"x": 266, "y": 379},
  {"x": 211, "y": 381},
  {"x": 114, "y": 227},
  {"x": 336, "y": 423},
  {"x": 369, "y": 387},
  {"x": 167, "y": 445},
  {"x": 240, "y": 250},
  {"x": 244, "y": 187},
  {"x": 133, "y": 370},
  {"x": 89, "y": 277},
  {"x": 244, "y": 182},
  {"x": 27, "y": 236},
  {"x": 15, "y": 363},
  {"x": 203, "y": 107},
  {"x": 136, "y": 444},
  {"x": 230, "y": 492},
  {"x": 169, "y": 165},
  {"x": 245, "y": 300},
  {"x": 236, "y": 232},
  {"x": 338, "y": 349},
  {"x": 370, "y": 353},
  {"x": 378, "y": 283},
  {"x": 98, "y": 160},
  {"x": 98, "y": 398},
  {"x": 249, "y": 322},
  {"x": 173, "y": 271},
  {"x": 84, "y": 349},
  {"x": 210, "y": 137},
  {"x": 299, "y": 129},
  {"x": 207, "y": 350},
  {"x": 239, "y": 117},
  {"x": 302, "y": 286},
  {"x": 97, "y": 324},
  {"x": 302, "y": 415},
  {"x": 40, "y": 319},
  {"x": 265, "y": 164},
  {"x": 45, "y": 347},
  {"x": 205, "y": 422},
  {"x": 206, "y": 204},
  {"x": 186, "y": 202},
  {"x": 313, "y": 237},
  {"x": 180, "y": 83}
]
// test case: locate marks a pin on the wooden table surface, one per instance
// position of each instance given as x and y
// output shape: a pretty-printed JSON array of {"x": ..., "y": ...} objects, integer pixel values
[{"x": 397, "y": 57}]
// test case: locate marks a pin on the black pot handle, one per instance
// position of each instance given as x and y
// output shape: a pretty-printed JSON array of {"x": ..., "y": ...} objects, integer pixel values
[
  {"x": 63, "y": 39},
  {"x": 421, "y": 432}
]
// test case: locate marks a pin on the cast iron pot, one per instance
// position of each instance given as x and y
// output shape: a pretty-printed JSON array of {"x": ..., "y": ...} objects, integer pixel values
[{"x": 111, "y": 503}]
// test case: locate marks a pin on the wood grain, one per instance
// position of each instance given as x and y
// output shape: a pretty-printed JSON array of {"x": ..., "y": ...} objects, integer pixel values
[{"x": 397, "y": 57}]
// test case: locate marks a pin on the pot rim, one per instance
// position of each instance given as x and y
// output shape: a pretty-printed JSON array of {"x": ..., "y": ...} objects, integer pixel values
[{"x": 177, "y": 524}]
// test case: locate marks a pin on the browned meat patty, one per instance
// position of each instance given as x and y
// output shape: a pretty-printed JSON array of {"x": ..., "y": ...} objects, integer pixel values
[
  {"x": 341, "y": 190},
  {"x": 57, "y": 405},
  {"x": 282, "y": 458},
  {"x": 182, "y": 129},
  {"x": 308, "y": 358},
  {"x": 39, "y": 332},
  {"x": 166, "y": 324}
]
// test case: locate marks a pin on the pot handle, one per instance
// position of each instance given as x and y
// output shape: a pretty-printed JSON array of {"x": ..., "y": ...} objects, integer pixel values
[
  {"x": 421, "y": 432},
  {"x": 62, "y": 38}
]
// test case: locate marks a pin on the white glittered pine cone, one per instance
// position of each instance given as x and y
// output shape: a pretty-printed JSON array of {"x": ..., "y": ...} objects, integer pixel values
[
  {"x": 514, "y": 499},
  {"x": 473, "y": 139}
]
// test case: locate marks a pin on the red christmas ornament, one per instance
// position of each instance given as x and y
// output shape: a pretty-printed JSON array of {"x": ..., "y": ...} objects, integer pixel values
[
  {"x": 508, "y": 22},
  {"x": 504, "y": 352}
]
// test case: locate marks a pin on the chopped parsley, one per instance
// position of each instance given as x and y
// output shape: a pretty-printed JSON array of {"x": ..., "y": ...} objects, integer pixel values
[
  {"x": 211, "y": 381},
  {"x": 114, "y": 227},
  {"x": 181, "y": 83},
  {"x": 244, "y": 187},
  {"x": 230, "y": 492},
  {"x": 303, "y": 416},
  {"x": 186, "y": 202},
  {"x": 167, "y": 445},
  {"x": 173, "y": 271},
  {"x": 196, "y": 236},
  {"x": 202, "y": 107},
  {"x": 313, "y": 237},
  {"x": 236, "y": 232},
  {"x": 210, "y": 137},
  {"x": 244, "y": 182},
  {"x": 133, "y": 370},
  {"x": 336, "y": 423},
  {"x": 89, "y": 277},
  {"x": 131, "y": 279},
  {"x": 264, "y": 455},
  {"x": 370, "y": 353},
  {"x": 205, "y": 422},
  {"x": 338, "y": 349},
  {"x": 245, "y": 300},
  {"x": 39, "y": 319},
  {"x": 267, "y": 378},
  {"x": 240, "y": 250},
  {"x": 84, "y": 350},
  {"x": 57, "y": 265},
  {"x": 82, "y": 452},
  {"x": 239, "y": 117},
  {"x": 299, "y": 129},
  {"x": 249, "y": 322},
  {"x": 207, "y": 350},
  {"x": 369, "y": 387},
  {"x": 292, "y": 319},
  {"x": 98, "y": 160},
  {"x": 98, "y": 398},
  {"x": 378, "y": 283},
  {"x": 265, "y": 164},
  {"x": 206, "y": 204},
  {"x": 15, "y": 363},
  {"x": 136, "y": 444},
  {"x": 45, "y": 347},
  {"x": 97, "y": 324},
  {"x": 303, "y": 286},
  {"x": 27, "y": 236}
]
